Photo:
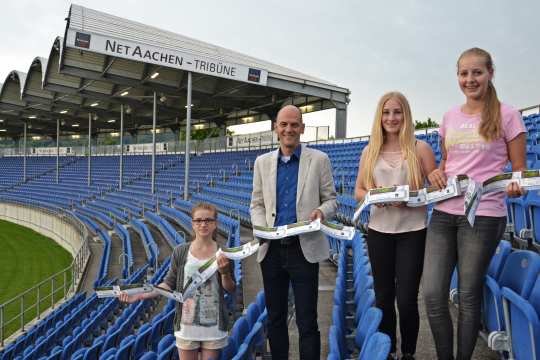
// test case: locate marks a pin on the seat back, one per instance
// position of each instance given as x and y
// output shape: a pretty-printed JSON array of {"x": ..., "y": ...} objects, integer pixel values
[
  {"x": 377, "y": 347},
  {"x": 252, "y": 314},
  {"x": 499, "y": 258},
  {"x": 141, "y": 341},
  {"x": 368, "y": 325},
  {"x": 519, "y": 271}
]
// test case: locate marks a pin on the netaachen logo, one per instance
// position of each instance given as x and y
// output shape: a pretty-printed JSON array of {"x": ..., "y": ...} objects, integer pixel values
[
  {"x": 82, "y": 40},
  {"x": 254, "y": 75}
]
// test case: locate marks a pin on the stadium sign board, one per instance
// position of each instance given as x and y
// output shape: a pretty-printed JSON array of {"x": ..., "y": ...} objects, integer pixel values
[
  {"x": 262, "y": 138},
  {"x": 164, "y": 57}
]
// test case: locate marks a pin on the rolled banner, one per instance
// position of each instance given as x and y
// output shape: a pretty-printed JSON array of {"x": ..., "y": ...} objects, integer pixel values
[
  {"x": 453, "y": 189},
  {"x": 337, "y": 231},
  {"x": 528, "y": 179},
  {"x": 417, "y": 198},
  {"x": 209, "y": 268},
  {"x": 174, "y": 295},
  {"x": 240, "y": 252},
  {"x": 499, "y": 182},
  {"x": 455, "y": 186},
  {"x": 199, "y": 277},
  {"x": 472, "y": 200},
  {"x": 115, "y": 290},
  {"x": 280, "y": 232},
  {"x": 398, "y": 193},
  {"x": 270, "y": 233},
  {"x": 273, "y": 233}
]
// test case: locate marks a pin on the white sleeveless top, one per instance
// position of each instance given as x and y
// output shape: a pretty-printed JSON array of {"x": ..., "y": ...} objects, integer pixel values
[{"x": 391, "y": 169}]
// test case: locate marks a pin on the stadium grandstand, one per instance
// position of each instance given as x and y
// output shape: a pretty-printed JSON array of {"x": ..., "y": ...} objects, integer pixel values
[{"x": 96, "y": 154}]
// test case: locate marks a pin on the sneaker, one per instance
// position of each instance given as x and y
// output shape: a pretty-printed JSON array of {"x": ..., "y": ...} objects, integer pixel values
[
  {"x": 407, "y": 357},
  {"x": 392, "y": 356}
]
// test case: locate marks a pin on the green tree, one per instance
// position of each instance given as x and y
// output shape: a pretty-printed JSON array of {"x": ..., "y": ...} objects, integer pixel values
[
  {"x": 200, "y": 134},
  {"x": 425, "y": 124}
]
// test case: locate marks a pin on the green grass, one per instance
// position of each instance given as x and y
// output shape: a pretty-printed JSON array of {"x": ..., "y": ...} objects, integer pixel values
[{"x": 27, "y": 258}]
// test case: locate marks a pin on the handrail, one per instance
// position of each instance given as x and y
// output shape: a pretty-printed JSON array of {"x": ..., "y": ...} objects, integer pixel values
[
  {"x": 209, "y": 145},
  {"x": 39, "y": 291}
]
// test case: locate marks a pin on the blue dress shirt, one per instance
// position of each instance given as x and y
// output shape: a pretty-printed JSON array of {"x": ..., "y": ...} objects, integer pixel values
[{"x": 287, "y": 183}]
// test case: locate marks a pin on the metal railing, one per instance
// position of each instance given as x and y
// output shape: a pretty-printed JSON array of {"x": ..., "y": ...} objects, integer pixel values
[
  {"x": 34, "y": 303},
  {"x": 209, "y": 145}
]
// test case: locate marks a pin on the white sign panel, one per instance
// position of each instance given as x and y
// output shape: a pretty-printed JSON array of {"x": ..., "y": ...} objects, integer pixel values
[
  {"x": 145, "y": 148},
  {"x": 50, "y": 151},
  {"x": 164, "y": 57},
  {"x": 262, "y": 138}
]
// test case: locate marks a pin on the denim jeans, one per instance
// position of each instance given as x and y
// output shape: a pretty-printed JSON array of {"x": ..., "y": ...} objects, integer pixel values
[
  {"x": 450, "y": 241},
  {"x": 397, "y": 261},
  {"x": 285, "y": 264}
]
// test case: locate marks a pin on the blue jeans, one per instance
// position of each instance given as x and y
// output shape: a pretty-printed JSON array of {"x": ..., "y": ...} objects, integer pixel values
[
  {"x": 285, "y": 264},
  {"x": 450, "y": 241}
]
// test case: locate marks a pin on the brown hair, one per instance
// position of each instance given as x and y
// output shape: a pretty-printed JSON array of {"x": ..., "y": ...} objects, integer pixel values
[
  {"x": 490, "y": 125},
  {"x": 208, "y": 207}
]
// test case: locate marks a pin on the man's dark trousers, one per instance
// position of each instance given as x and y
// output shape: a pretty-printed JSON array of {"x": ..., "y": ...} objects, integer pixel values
[{"x": 285, "y": 264}]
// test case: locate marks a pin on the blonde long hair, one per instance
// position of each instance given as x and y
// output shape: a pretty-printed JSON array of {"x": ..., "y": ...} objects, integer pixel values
[
  {"x": 490, "y": 124},
  {"x": 407, "y": 143}
]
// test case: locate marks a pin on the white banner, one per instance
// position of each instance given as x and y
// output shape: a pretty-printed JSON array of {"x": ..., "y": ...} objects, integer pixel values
[
  {"x": 145, "y": 148},
  {"x": 50, "y": 151},
  {"x": 164, "y": 57},
  {"x": 253, "y": 140}
]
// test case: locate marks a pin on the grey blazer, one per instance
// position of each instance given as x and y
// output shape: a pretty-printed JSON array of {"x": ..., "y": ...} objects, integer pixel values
[{"x": 315, "y": 190}]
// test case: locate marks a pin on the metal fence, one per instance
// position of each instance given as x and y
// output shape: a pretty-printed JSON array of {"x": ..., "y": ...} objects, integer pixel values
[
  {"x": 33, "y": 303},
  {"x": 209, "y": 145}
]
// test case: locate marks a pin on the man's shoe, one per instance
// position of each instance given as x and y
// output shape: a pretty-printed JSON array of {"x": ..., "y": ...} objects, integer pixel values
[{"x": 407, "y": 357}]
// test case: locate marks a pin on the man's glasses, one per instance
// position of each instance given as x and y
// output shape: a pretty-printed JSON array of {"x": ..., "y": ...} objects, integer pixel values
[{"x": 204, "y": 221}]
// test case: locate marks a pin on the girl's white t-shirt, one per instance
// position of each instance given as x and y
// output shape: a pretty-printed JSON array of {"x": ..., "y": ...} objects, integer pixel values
[{"x": 200, "y": 314}]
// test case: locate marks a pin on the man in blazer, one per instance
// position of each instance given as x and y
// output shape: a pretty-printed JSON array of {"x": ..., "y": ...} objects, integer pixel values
[{"x": 293, "y": 183}]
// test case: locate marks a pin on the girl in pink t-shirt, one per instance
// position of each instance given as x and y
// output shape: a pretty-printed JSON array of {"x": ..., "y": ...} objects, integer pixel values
[{"x": 478, "y": 138}]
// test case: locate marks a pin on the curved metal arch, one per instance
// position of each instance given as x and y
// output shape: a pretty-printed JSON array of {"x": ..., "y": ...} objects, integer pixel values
[
  {"x": 42, "y": 62},
  {"x": 14, "y": 74}
]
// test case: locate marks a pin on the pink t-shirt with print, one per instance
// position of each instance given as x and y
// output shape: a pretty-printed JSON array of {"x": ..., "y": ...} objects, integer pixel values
[{"x": 468, "y": 153}]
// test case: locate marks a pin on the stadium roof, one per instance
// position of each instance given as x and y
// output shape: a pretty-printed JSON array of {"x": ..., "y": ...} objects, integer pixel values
[{"x": 104, "y": 61}]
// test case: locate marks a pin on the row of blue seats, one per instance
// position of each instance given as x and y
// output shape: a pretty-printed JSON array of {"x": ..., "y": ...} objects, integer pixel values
[
  {"x": 231, "y": 208},
  {"x": 354, "y": 318},
  {"x": 524, "y": 216},
  {"x": 121, "y": 231},
  {"x": 511, "y": 301},
  {"x": 42, "y": 327},
  {"x": 104, "y": 265},
  {"x": 125, "y": 325},
  {"x": 248, "y": 333},
  {"x": 166, "y": 229},
  {"x": 150, "y": 246}
]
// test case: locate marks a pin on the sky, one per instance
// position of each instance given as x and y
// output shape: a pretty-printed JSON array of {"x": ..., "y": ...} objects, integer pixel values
[{"x": 369, "y": 47}]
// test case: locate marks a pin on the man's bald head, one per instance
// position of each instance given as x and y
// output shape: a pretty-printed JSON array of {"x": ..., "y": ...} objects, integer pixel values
[
  {"x": 289, "y": 111},
  {"x": 289, "y": 127}
]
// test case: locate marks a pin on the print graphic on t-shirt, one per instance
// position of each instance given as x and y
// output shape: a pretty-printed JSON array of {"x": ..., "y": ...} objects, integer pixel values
[
  {"x": 465, "y": 139},
  {"x": 201, "y": 310}
]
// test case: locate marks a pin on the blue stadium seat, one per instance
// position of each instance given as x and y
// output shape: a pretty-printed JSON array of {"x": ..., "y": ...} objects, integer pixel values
[
  {"x": 518, "y": 274},
  {"x": 524, "y": 318},
  {"x": 377, "y": 347},
  {"x": 368, "y": 325}
]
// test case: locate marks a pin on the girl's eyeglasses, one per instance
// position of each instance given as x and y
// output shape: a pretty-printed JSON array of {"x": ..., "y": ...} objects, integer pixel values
[{"x": 203, "y": 221}]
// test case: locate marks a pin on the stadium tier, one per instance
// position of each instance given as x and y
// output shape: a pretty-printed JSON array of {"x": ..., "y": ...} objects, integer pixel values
[{"x": 148, "y": 226}]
